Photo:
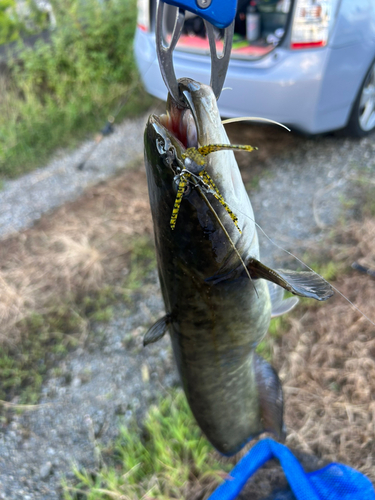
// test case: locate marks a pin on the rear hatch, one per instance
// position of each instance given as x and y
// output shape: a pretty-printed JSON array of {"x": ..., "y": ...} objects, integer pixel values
[{"x": 260, "y": 26}]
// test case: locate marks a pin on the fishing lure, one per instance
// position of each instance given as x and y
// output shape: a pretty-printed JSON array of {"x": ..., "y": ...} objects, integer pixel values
[{"x": 195, "y": 162}]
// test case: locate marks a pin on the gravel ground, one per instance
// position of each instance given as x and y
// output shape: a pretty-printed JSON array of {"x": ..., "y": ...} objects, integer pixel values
[
  {"x": 296, "y": 202},
  {"x": 304, "y": 184},
  {"x": 24, "y": 200}
]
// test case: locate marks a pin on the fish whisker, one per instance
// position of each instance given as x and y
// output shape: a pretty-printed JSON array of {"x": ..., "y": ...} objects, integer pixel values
[{"x": 253, "y": 119}]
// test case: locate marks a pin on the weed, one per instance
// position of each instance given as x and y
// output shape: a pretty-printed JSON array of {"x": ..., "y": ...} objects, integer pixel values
[
  {"x": 142, "y": 262},
  {"x": 59, "y": 91},
  {"x": 166, "y": 460},
  {"x": 45, "y": 339},
  {"x": 347, "y": 203},
  {"x": 19, "y": 20},
  {"x": 265, "y": 348},
  {"x": 361, "y": 203},
  {"x": 98, "y": 307},
  {"x": 277, "y": 327},
  {"x": 10, "y": 26}
]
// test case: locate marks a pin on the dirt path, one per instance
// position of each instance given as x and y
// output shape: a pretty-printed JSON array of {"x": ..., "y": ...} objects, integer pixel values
[{"x": 297, "y": 187}]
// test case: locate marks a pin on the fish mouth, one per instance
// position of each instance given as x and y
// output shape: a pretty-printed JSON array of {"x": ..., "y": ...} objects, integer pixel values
[
  {"x": 198, "y": 123},
  {"x": 181, "y": 123},
  {"x": 189, "y": 124}
]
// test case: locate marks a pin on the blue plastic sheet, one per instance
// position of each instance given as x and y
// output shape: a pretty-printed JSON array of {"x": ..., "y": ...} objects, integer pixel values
[{"x": 334, "y": 482}]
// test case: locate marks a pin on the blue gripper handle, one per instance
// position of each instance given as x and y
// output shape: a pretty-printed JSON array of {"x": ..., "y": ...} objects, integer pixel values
[{"x": 220, "y": 13}]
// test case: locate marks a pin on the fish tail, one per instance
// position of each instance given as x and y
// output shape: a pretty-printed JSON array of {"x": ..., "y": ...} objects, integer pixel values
[{"x": 270, "y": 398}]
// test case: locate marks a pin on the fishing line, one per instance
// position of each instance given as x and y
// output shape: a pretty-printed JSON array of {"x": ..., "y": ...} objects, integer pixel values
[{"x": 301, "y": 262}]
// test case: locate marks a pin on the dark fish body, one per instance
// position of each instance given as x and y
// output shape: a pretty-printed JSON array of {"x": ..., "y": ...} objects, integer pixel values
[{"x": 216, "y": 315}]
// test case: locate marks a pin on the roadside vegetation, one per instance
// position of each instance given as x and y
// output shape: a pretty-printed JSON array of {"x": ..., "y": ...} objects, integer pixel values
[
  {"x": 64, "y": 87},
  {"x": 20, "y": 19}
]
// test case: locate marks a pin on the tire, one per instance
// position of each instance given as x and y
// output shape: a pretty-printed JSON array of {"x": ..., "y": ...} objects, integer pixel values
[{"x": 362, "y": 118}]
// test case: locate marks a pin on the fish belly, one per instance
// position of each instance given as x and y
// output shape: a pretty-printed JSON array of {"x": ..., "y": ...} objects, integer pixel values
[{"x": 215, "y": 360}]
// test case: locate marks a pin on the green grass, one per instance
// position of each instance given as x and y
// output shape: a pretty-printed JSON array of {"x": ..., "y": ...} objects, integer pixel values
[
  {"x": 164, "y": 460},
  {"x": 10, "y": 25},
  {"x": 254, "y": 183},
  {"x": 59, "y": 92},
  {"x": 142, "y": 261},
  {"x": 359, "y": 203}
]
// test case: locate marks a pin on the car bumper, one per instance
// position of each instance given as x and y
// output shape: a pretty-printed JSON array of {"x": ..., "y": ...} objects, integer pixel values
[{"x": 285, "y": 86}]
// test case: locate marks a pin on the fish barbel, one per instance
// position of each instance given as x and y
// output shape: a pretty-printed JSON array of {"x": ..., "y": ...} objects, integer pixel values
[{"x": 215, "y": 314}]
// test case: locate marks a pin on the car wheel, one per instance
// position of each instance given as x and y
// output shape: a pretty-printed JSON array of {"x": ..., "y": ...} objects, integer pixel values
[{"x": 362, "y": 119}]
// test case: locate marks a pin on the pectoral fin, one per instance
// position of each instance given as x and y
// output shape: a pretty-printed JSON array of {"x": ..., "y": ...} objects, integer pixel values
[
  {"x": 305, "y": 284},
  {"x": 284, "y": 307},
  {"x": 157, "y": 331},
  {"x": 279, "y": 304}
]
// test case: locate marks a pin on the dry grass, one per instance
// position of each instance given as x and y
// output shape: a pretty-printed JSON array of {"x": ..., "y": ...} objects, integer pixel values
[
  {"x": 79, "y": 248},
  {"x": 327, "y": 365}
]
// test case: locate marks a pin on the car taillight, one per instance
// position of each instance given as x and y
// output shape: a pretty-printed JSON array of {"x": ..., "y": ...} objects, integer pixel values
[
  {"x": 143, "y": 20},
  {"x": 311, "y": 23}
]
